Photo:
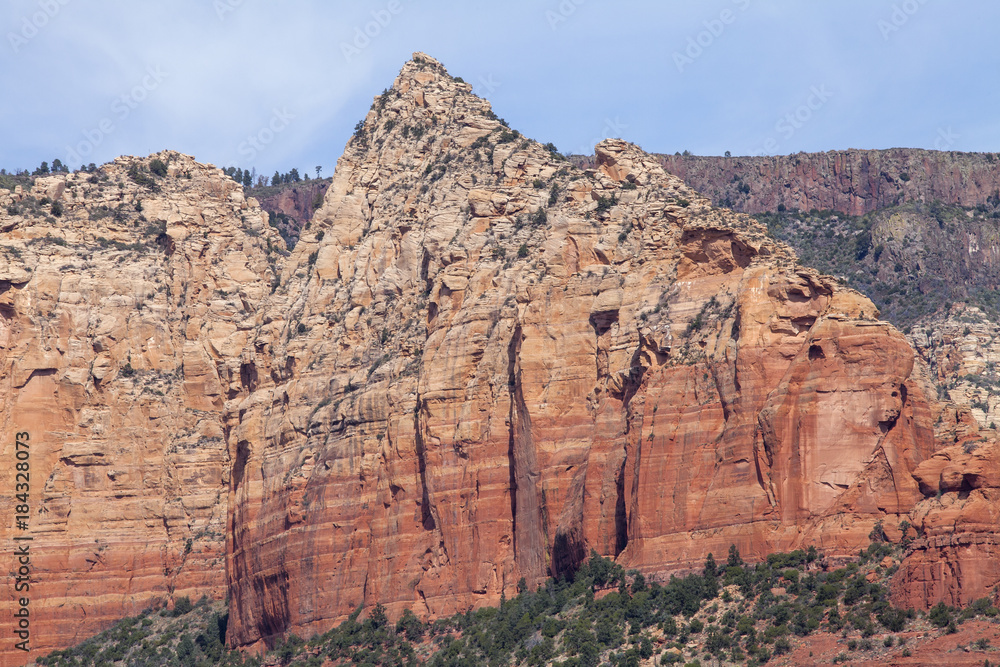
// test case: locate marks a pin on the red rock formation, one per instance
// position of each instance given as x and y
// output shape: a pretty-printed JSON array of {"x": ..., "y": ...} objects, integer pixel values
[
  {"x": 956, "y": 556},
  {"x": 122, "y": 324},
  {"x": 477, "y": 366},
  {"x": 854, "y": 182},
  {"x": 489, "y": 364},
  {"x": 297, "y": 201}
]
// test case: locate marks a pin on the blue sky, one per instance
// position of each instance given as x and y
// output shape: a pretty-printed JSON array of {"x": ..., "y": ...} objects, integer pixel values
[{"x": 87, "y": 81}]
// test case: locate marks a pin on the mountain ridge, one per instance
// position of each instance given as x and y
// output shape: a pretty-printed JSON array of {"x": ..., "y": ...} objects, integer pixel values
[
  {"x": 477, "y": 365},
  {"x": 478, "y": 255},
  {"x": 852, "y": 181}
]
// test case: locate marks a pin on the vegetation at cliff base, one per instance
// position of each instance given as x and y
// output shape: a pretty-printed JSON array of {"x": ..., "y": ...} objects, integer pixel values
[
  {"x": 189, "y": 635},
  {"x": 729, "y": 612}
]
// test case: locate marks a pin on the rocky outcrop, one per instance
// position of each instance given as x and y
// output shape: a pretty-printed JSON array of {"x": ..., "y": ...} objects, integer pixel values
[
  {"x": 955, "y": 557},
  {"x": 962, "y": 350},
  {"x": 123, "y": 319},
  {"x": 482, "y": 363},
  {"x": 478, "y": 364},
  {"x": 295, "y": 203},
  {"x": 854, "y": 182}
]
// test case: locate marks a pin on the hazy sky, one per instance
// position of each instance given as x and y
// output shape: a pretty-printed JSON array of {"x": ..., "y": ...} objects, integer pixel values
[{"x": 280, "y": 85}]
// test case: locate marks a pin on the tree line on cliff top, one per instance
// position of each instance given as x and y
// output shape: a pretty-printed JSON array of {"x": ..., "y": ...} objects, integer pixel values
[{"x": 248, "y": 178}]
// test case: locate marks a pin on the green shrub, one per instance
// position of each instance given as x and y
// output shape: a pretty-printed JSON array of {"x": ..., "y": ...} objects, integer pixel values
[
  {"x": 139, "y": 175},
  {"x": 182, "y": 606},
  {"x": 605, "y": 204},
  {"x": 940, "y": 615},
  {"x": 671, "y": 658}
]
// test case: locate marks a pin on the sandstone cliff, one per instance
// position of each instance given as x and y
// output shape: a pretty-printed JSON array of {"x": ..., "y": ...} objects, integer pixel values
[
  {"x": 955, "y": 556},
  {"x": 122, "y": 324},
  {"x": 478, "y": 364},
  {"x": 854, "y": 182},
  {"x": 481, "y": 363}
]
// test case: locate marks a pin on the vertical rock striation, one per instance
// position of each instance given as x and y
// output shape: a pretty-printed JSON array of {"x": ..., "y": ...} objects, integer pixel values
[
  {"x": 482, "y": 363},
  {"x": 853, "y": 181},
  {"x": 122, "y": 324}
]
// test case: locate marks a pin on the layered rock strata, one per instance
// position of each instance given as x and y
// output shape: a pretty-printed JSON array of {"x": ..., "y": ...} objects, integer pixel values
[
  {"x": 125, "y": 299},
  {"x": 854, "y": 182},
  {"x": 954, "y": 555},
  {"x": 482, "y": 363}
]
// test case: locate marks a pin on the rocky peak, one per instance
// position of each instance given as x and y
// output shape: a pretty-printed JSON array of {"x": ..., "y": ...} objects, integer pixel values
[
  {"x": 482, "y": 362},
  {"x": 479, "y": 364},
  {"x": 424, "y": 106}
]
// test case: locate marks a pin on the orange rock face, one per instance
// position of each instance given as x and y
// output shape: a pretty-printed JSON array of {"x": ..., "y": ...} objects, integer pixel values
[
  {"x": 478, "y": 365},
  {"x": 482, "y": 364},
  {"x": 121, "y": 332},
  {"x": 956, "y": 556}
]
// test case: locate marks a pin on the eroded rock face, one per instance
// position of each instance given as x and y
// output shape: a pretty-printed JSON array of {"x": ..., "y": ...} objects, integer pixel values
[
  {"x": 482, "y": 363},
  {"x": 296, "y": 202},
  {"x": 478, "y": 364},
  {"x": 854, "y": 182},
  {"x": 955, "y": 557},
  {"x": 962, "y": 350},
  {"x": 122, "y": 325}
]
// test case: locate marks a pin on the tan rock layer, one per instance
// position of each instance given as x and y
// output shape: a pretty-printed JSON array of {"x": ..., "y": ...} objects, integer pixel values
[{"x": 122, "y": 325}]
